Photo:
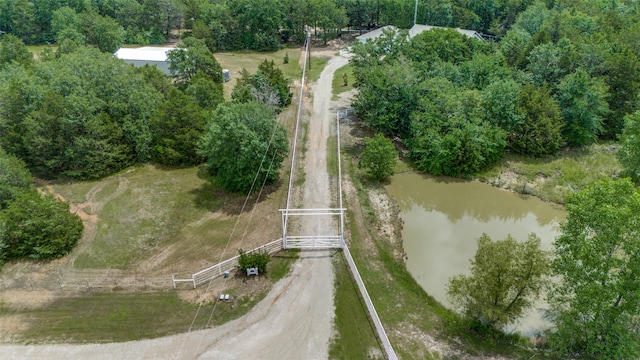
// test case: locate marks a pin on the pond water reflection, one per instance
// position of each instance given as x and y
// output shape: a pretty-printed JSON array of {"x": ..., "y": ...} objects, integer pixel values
[{"x": 443, "y": 218}]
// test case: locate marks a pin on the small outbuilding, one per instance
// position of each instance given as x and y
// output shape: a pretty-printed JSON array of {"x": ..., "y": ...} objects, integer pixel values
[{"x": 146, "y": 55}]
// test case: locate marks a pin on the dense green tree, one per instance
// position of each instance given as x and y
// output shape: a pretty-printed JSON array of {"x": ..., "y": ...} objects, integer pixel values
[
  {"x": 544, "y": 63},
  {"x": 327, "y": 16},
  {"x": 14, "y": 178},
  {"x": 160, "y": 15},
  {"x": 190, "y": 58},
  {"x": 276, "y": 79},
  {"x": 176, "y": 129},
  {"x": 449, "y": 135},
  {"x": 83, "y": 115},
  {"x": 500, "y": 103},
  {"x": 540, "y": 132},
  {"x": 205, "y": 92},
  {"x": 259, "y": 23},
  {"x": 13, "y": 49},
  {"x": 583, "y": 104},
  {"x": 16, "y": 18},
  {"x": 483, "y": 69},
  {"x": 103, "y": 32},
  {"x": 19, "y": 92},
  {"x": 156, "y": 78},
  {"x": 596, "y": 302},
  {"x": 447, "y": 45},
  {"x": 244, "y": 146},
  {"x": 378, "y": 157},
  {"x": 39, "y": 227},
  {"x": 629, "y": 152},
  {"x": 387, "y": 97},
  {"x": 513, "y": 45},
  {"x": 268, "y": 86},
  {"x": 201, "y": 31},
  {"x": 506, "y": 279},
  {"x": 66, "y": 18},
  {"x": 622, "y": 75}
]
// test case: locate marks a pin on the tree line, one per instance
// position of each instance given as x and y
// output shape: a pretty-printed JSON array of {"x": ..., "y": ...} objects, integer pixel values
[
  {"x": 568, "y": 75},
  {"x": 238, "y": 24}
]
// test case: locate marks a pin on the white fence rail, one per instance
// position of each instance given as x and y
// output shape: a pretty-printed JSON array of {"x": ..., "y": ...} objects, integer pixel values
[
  {"x": 313, "y": 242},
  {"x": 217, "y": 270},
  {"x": 391, "y": 354}
]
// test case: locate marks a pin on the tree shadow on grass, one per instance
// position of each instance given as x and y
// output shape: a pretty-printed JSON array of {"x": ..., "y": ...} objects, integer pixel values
[{"x": 210, "y": 196}]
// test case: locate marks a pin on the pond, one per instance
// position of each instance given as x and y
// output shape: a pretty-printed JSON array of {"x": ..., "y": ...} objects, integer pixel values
[{"x": 443, "y": 218}]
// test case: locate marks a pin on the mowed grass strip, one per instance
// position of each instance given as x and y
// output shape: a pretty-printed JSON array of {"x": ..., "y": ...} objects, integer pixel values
[
  {"x": 316, "y": 67},
  {"x": 337, "y": 85},
  {"x": 250, "y": 60},
  {"x": 355, "y": 334},
  {"x": 117, "y": 317},
  {"x": 152, "y": 212}
]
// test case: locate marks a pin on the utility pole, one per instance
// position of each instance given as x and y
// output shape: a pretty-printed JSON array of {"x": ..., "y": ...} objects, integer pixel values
[
  {"x": 415, "y": 14},
  {"x": 308, "y": 50}
]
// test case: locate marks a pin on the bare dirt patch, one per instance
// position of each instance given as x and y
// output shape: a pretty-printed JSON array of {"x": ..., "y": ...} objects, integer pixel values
[{"x": 26, "y": 299}]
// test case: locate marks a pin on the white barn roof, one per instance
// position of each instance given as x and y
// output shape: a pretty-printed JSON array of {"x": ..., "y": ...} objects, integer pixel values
[
  {"x": 415, "y": 30},
  {"x": 374, "y": 34},
  {"x": 148, "y": 53}
]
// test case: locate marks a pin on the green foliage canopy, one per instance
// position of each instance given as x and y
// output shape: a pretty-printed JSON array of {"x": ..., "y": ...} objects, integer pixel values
[
  {"x": 378, "y": 157},
  {"x": 244, "y": 146},
  {"x": 83, "y": 115},
  {"x": 629, "y": 152},
  {"x": 596, "y": 303},
  {"x": 506, "y": 279}
]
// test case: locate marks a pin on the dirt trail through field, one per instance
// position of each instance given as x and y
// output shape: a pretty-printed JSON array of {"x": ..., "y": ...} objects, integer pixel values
[{"x": 294, "y": 321}]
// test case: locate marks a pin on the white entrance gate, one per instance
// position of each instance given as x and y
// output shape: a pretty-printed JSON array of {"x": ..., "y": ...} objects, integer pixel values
[{"x": 318, "y": 241}]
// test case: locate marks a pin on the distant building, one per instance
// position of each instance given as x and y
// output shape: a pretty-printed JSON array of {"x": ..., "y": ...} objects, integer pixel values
[
  {"x": 415, "y": 30},
  {"x": 374, "y": 34},
  {"x": 146, "y": 55}
]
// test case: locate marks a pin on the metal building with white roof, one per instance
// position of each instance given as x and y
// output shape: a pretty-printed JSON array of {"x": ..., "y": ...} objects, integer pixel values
[
  {"x": 146, "y": 55},
  {"x": 415, "y": 30}
]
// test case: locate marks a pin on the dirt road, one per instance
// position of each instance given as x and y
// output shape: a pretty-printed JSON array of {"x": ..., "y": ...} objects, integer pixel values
[{"x": 294, "y": 321}]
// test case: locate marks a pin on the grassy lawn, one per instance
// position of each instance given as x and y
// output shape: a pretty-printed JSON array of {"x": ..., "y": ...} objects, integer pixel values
[
  {"x": 355, "y": 333},
  {"x": 317, "y": 64},
  {"x": 157, "y": 208},
  {"x": 124, "y": 316},
  {"x": 337, "y": 84},
  {"x": 238, "y": 60},
  {"x": 116, "y": 317},
  {"x": 552, "y": 178}
]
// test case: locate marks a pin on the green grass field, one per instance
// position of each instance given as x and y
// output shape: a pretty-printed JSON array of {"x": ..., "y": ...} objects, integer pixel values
[
  {"x": 355, "y": 333},
  {"x": 337, "y": 84},
  {"x": 238, "y": 60}
]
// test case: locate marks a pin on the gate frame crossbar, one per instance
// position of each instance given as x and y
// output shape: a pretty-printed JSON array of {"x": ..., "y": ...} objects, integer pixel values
[{"x": 312, "y": 241}]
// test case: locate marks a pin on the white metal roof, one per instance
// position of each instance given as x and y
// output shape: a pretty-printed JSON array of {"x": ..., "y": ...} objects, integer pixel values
[
  {"x": 148, "y": 53},
  {"x": 415, "y": 30},
  {"x": 374, "y": 34}
]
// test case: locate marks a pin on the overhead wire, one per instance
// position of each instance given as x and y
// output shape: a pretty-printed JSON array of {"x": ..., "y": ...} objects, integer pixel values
[{"x": 192, "y": 324}]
